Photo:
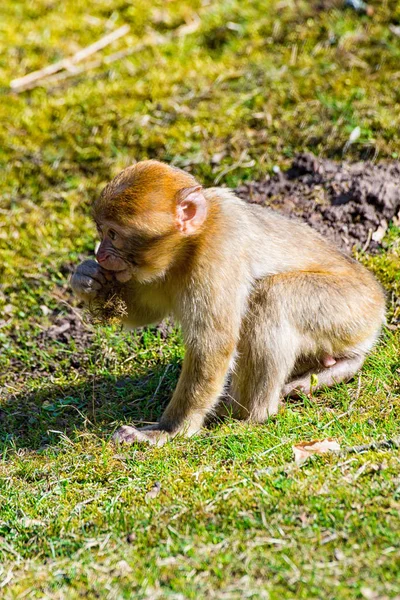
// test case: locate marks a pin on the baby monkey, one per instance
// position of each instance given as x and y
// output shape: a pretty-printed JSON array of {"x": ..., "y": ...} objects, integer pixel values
[{"x": 261, "y": 298}]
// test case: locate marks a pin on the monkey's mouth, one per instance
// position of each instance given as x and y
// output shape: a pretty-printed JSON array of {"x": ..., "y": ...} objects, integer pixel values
[{"x": 116, "y": 266}]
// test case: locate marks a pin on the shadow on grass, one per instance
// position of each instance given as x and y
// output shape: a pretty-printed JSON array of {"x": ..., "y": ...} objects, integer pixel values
[{"x": 35, "y": 420}]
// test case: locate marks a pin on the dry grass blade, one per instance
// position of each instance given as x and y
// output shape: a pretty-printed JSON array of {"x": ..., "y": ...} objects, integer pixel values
[
  {"x": 32, "y": 79},
  {"x": 110, "y": 310},
  {"x": 51, "y": 74}
]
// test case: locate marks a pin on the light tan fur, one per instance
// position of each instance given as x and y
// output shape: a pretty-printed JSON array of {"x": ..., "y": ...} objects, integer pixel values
[{"x": 261, "y": 298}]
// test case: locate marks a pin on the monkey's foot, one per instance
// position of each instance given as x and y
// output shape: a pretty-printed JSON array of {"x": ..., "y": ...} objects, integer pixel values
[
  {"x": 343, "y": 369},
  {"x": 130, "y": 435}
]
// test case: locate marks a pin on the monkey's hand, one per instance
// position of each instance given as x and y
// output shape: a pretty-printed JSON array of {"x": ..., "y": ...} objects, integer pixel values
[{"x": 89, "y": 280}]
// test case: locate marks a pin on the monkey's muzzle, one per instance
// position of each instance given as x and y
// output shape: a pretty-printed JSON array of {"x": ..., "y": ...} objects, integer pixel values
[{"x": 115, "y": 266}]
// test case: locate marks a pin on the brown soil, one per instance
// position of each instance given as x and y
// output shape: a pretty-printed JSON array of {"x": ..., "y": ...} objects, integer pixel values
[{"x": 347, "y": 202}]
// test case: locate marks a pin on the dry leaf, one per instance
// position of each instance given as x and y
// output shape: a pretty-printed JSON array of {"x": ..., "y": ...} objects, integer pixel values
[
  {"x": 8, "y": 309},
  {"x": 369, "y": 594},
  {"x": 339, "y": 554},
  {"x": 355, "y": 134},
  {"x": 304, "y": 450},
  {"x": 155, "y": 490},
  {"x": 7, "y": 579},
  {"x": 395, "y": 29},
  {"x": 379, "y": 234}
]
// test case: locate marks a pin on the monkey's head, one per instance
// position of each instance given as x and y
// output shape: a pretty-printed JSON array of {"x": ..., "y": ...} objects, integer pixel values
[{"x": 145, "y": 217}]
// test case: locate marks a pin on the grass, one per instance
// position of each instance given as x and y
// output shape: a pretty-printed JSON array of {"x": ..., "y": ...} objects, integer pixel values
[{"x": 234, "y": 518}]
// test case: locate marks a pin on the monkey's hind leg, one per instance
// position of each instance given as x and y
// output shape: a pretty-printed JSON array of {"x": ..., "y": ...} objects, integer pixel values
[
  {"x": 343, "y": 370},
  {"x": 266, "y": 356}
]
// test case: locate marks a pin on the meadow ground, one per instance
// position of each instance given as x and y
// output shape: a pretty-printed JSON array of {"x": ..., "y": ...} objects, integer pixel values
[{"x": 251, "y": 84}]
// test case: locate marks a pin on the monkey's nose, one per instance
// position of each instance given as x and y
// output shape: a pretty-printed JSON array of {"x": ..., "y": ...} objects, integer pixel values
[{"x": 101, "y": 256}]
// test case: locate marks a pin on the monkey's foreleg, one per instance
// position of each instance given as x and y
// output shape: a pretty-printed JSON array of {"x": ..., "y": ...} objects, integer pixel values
[
  {"x": 342, "y": 370},
  {"x": 199, "y": 387}
]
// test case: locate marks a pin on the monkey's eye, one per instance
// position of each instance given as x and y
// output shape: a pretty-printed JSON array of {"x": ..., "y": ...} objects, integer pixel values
[{"x": 112, "y": 234}]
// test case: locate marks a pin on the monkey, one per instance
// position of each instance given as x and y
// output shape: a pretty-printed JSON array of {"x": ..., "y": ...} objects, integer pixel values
[{"x": 264, "y": 301}]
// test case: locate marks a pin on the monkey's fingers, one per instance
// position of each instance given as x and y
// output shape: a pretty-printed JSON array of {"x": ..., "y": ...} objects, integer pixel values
[
  {"x": 91, "y": 268},
  {"x": 84, "y": 284},
  {"x": 130, "y": 435}
]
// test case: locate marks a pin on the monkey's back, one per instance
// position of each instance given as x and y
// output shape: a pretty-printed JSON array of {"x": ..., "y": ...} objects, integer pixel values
[
  {"x": 280, "y": 244},
  {"x": 276, "y": 245}
]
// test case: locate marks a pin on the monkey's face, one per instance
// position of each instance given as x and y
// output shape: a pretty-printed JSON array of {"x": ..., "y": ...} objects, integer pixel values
[
  {"x": 110, "y": 253},
  {"x": 132, "y": 251},
  {"x": 144, "y": 217}
]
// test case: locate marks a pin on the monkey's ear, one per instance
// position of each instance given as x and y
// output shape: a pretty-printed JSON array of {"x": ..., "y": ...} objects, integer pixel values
[{"x": 191, "y": 209}]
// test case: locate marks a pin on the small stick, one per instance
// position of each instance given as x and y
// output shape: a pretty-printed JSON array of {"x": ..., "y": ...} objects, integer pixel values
[
  {"x": 30, "y": 80},
  {"x": 358, "y": 389},
  {"x": 95, "y": 64},
  {"x": 159, "y": 384},
  {"x": 93, "y": 399},
  {"x": 367, "y": 243},
  {"x": 152, "y": 40},
  {"x": 384, "y": 444}
]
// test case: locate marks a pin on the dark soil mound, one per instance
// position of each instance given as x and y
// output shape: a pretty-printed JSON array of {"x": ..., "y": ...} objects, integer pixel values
[{"x": 349, "y": 203}]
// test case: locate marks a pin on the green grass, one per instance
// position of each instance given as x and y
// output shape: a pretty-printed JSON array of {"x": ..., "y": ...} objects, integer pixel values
[{"x": 254, "y": 84}]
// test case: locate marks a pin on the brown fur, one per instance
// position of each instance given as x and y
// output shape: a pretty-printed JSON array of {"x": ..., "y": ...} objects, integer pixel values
[{"x": 259, "y": 296}]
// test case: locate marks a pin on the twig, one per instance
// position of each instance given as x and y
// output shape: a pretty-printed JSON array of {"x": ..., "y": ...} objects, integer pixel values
[
  {"x": 384, "y": 444},
  {"x": 234, "y": 166},
  {"x": 367, "y": 243},
  {"x": 72, "y": 309},
  {"x": 51, "y": 75},
  {"x": 93, "y": 398},
  {"x": 358, "y": 388},
  {"x": 152, "y": 40},
  {"x": 31, "y": 80},
  {"x": 159, "y": 384},
  {"x": 95, "y": 64},
  {"x": 344, "y": 414}
]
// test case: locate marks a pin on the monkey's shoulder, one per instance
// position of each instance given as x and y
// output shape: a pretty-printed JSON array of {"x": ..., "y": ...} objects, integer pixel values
[{"x": 259, "y": 218}]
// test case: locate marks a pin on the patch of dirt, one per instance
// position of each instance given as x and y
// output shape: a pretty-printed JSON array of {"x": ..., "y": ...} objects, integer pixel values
[
  {"x": 55, "y": 341},
  {"x": 67, "y": 327},
  {"x": 350, "y": 203}
]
